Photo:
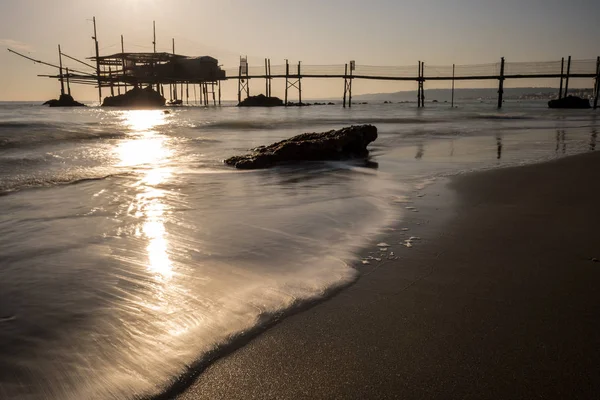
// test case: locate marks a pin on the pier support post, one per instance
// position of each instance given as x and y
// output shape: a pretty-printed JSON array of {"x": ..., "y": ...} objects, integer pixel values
[
  {"x": 567, "y": 78},
  {"x": 123, "y": 64},
  {"x": 453, "y": 70},
  {"x": 562, "y": 71},
  {"x": 219, "y": 83},
  {"x": 62, "y": 80},
  {"x": 501, "y": 83},
  {"x": 266, "y": 79},
  {"x": 299, "y": 85},
  {"x": 419, "y": 85},
  {"x": 270, "y": 79},
  {"x": 112, "y": 89},
  {"x": 352, "y": 67},
  {"x": 345, "y": 84},
  {"x": 69, "y": 84},
  {"x": 95, "y": 37},
  {"x": 287, "y": 79},
  {"x": 597, "y": 91},
  {"x": 422, "y": 84}
]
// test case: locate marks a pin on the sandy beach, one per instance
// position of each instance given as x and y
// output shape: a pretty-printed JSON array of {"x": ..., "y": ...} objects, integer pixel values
[{"x": 498, "y": 300}]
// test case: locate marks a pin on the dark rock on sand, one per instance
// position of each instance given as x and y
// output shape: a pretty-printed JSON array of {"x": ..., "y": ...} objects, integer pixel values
[
  {"x": 339, "y": 144},
  {"x": 331, "y": 104},
  {"x": 261, "y": 101},
  {"x": 65, "y": 100},
  {"x": 569, "y": 102},
  {"x": 137, "y": 98}
]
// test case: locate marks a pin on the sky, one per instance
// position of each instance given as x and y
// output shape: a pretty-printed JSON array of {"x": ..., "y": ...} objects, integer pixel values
[{"x": 316, "y": 32}]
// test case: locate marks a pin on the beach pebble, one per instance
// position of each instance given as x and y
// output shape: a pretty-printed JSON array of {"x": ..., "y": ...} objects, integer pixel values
[
  {"x": 414, "y": 238},
  {"x": 408, "y": 244},
  {"x": 404, "y": 229},
  {"x": 383, "y": 249},
  {"x": 366, "y": 262},
  {"x": 377, "y": 259},
  {"x": 383, "y": 244}
]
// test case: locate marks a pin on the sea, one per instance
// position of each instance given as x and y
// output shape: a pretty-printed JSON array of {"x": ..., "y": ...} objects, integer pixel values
[{"x": 130, "y": 254}]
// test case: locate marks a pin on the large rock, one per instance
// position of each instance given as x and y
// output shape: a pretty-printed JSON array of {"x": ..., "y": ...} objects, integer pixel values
[
  {"x": 569, "y": 102},
  {"x": 261, "y": 101},
  {"x": 333, "y": 145},
  {"x": 136, "y": 98},
  {"x": 65, "y": 100}
]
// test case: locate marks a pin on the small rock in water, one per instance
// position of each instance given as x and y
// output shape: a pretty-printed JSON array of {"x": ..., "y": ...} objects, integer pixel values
[
  {"x": 383, "y": 244},
  {"x": 383, "y": 249},
  {"x": 408, "y": 244},
  {"x": 404, "y": 229},
  {"x": 377, "y": 259},
  {"x": 366, "y": 262},
  {"x": 414, "y": 238}
]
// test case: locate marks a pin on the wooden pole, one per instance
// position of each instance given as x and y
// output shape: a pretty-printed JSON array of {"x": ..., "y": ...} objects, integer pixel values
[
  {"x": 350, "y": 89},
  {"x": 562, "y": 71},
  {"x": 270, "y": 79},
  {"x": 195, "y": 95},
  {"x": 287, "y": 77},
  {"x": 240, "y": 85},
  {"x": 453, "y": 70},
  {"x": 501, "y": 83},
  {"x": 154, "y": 35},
  {"x": 419, "y": 86},
  {"x": 247, "y": 80},
  {"x": 97, "y": 62},
  {"x": 68, "y": 83},
  {"x": 112, "y": 88},
  {"x": 123, "y": 61},
  {"x": 422, "y": 84},
  {"x": 62, "y": 81},
  {"x": 597, "y": 94},
  {"x": 266, "y": 79},
  {"x": 171, "y": 85},
  {"x": 219, "y": 83},
  {"x": 299, "y": 85},
  {"x": 187, "y": 93},
  {"x": 567, "y": 78},
  {"x": 213, "y": 93},
  {"x": 345, "y": 83}
]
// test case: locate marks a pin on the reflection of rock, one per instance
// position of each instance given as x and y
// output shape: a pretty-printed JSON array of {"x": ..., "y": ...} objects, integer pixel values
[
  {"x": 136, "y": 98},
  {"x": 569, "y": 102},
  {"x": 333, "y": 145},
  {"x": 261, "y": 101},
  {"x": 65, "y": 100}
]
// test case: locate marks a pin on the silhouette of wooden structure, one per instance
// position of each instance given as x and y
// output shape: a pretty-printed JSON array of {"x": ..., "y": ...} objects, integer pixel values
[{"x": 160, "y": 69}]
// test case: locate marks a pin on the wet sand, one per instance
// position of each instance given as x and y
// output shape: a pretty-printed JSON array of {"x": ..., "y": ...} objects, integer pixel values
[{"x": 499, "y": 300}]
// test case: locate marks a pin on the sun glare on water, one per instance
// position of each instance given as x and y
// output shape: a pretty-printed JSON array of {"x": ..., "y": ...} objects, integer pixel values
[{"x": 147, "y": 151}]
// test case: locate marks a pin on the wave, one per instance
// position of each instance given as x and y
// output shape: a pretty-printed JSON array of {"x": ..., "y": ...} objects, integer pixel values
[
  {"x": 33, "y": 183},
  {"x": 17, "y": 140}
]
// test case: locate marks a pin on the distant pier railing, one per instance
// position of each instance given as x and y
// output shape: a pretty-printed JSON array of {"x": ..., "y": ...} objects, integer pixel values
[{"x": 421, "y": 72}]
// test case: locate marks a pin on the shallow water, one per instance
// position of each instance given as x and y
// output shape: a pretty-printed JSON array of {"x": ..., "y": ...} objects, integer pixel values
[{"x": 128, "y": 251}]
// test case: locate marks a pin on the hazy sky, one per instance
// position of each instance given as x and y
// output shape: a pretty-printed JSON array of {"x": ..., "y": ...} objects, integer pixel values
[{"x": 376, "y": 32}]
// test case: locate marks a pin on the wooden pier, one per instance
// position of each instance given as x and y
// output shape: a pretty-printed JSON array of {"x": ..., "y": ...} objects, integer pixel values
[{"x": 159, "y": 69}]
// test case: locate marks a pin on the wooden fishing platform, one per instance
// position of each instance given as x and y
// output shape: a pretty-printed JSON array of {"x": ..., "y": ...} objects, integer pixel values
[{"x": 159, "y": 69}]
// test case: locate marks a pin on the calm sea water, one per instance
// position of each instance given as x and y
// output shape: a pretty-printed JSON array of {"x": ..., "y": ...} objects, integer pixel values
[{"x": 128, "y": 251}]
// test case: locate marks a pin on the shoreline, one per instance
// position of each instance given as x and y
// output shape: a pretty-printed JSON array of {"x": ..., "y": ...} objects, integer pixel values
[{"x": 350, "y": 345}]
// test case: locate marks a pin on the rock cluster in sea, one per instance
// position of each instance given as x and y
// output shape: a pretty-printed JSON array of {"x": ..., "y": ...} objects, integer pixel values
[
  {"x": 349, "y": 142},
  {"x": 261, "y": 101},
  {"x": 136, "y": 98},
  {"x": 569, "y": 102},
  {"x": 65, "y": 100}
]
